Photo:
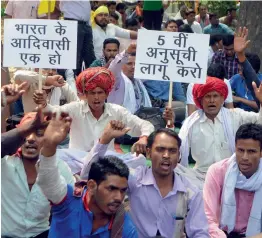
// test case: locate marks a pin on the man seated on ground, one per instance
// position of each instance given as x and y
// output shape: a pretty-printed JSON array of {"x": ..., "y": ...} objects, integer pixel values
[
  {"x": 54, "y": 88},
  {"x": 217, "y": 71},
  {"x": 92, "y": 210},
  {"x": 243, "y": 97},
  {"x": 91, "y": 115},
  {"x": 102, "y": 29},
  {"x": 227, "y": 57},
  {"x": 113, "y": 18},
  {"x": 203, "y": 17},
  {"x": 215, "y": 44},
  {"x": 171, "y": 26},
  {"x": 112, "y": 10},
  {"x": 230, "y": 19},
  {"x": 110, "y": 50},
  {"x": 190, "y": 20},
  {"x": 215, "y": 27},
  {"x": 233, "y": 188},
  {"x": 174, "y": 203},
  {"x": 25, "y": 209}
]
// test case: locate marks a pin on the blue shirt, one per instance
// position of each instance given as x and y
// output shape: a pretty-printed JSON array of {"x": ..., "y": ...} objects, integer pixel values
[
  {"x": 72, "y": 219},
  {"x": 160, "y": 89},
  {"x": 221, "y": 29}
]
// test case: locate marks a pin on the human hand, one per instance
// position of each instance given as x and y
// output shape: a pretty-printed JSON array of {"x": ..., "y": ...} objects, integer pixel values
[
  {"x": 240, "y": 40},
  {"x": 131, "y": 48},
  {"x": 12, "y": 92},
  {"x": 55, "y": 80},
  {"x": 236, "y": 99},
  {"x": 169, "y": 116},
  {"x": 40, "y": 97},
  {"x": 258, "y": 92},
  {"x": 113, "y": 130},
  {"x": 140, "y": 146}
]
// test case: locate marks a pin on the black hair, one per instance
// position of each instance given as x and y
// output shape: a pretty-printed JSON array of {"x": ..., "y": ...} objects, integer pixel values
[
  {"x": 250, "y": 131},
  {"x": 179, "y": 22},
  {"x": 231, "y": 9},
  {"x": 131, "y": 22},
  {"x": 189, "y": 11},
  {"x": 185, "y": 28},
  {"x": 254, "y": 60},
  {"x": 169, "y": 22},
  {"x": 152, "y": 136},
  {"x": 216, "y": 70},
  {"x": 111, "y": 3},
  {"x": 211, "y": 15},
  {"x": 215, "y": 39},
  {"x": 115, "y": 16},
  {"x": 133, "y": 54},
  {"x": 111, "y": 41},
  {"x": 109, "y": 165},
  {"x": 228, "y": 40},
  {"x": 120, "y": 6}
]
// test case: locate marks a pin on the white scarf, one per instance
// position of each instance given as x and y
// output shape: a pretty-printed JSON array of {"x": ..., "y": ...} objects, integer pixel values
[
  {"x": 185, "y": 132},
  {"x": 235, "y": 179},
  {"x": 130, "y": 97}
]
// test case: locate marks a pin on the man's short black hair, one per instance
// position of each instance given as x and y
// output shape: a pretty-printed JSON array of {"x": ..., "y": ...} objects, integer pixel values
[
  {"x": 216, "y": 70},
  {"x": 120, "y": 6},
  {"x": 211, "y": 15},
  {"x": 109, "y": 165},
  {"x": 215, "y": 39},
  {"x": 179, "y": 22},
  {"x": 111, "y": 3},
  {"x": 152, "y": 136},
  {"x": 114, "y": 15},
  {"x": 231, "y": 9},
  {"x": 228, "y": 40},
  {"x": 185, "y": 28},
  {"x": 250, "y": 131},
  {"x": 169, "y": 22},
  {"x": 189, "y": 11},
  {"x": 254, "y": 60},
  {"x": 131, "y": 22},
  {"x": 111, "y": 41}
]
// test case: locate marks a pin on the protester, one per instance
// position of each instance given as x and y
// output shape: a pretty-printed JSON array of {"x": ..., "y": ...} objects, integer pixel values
[
  {"x": 243, "y": 97},
  {"x": 114, "y": 19},
  {"x": 139, "y": 8},
  {"x": 91, "y": 115},
  {"x": 230, "y": 18},
  {"x": 25, "y": 210},
  {"x": 174, "y": 203},
  {"x": 215, "y": 27},
  {"x": 181, "y": 15},
  {"x": 133, "y": 24},
  {"x": 80, "y": 11},
  {"x": 121, "y": 8},
  {"x": 233, "y": 188},
  {"x": 128, "y": 91},
  {"x": 215, "y": 44},
  {"x": 185, "y": 28},
  {"x": 54, "y": 89},
  {"x": 217, "y": 71},
  {"x": 84, "y": 211},
  {"x": 112, "y": 10},
  {"x": 102, "y": 30},
  {"x": 227, "y": 57},
  {"x": 110, "y": 50},
  {"x": 190, "y": 20},
  {"x": 171, "y": 26},
  {"x": 202, "y": 18}
]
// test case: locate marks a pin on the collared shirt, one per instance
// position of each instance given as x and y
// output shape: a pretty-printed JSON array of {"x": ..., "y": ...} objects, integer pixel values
[
  {"x": 208, "y": 141},
  {"x": 212, "y": 194},
  {"x": 86, "y": 129},
  {"x": 195, "y": 27},
  {"x": 72, "y": 218},
  {"x": 25, "y": 9},
  {"x": 77, "y": 9},
  {"x": 230, "y": 65},
  {"x": 220, "y": 29},
  {"x": 97, "y": 63},
  {"x": 24, "y": 213},
  {"x": 152, "y": 212},
  {"x": 112, "y": 31}
]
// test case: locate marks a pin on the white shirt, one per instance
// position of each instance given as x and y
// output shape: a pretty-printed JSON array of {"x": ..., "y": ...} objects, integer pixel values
[
  {"x": 24, "y": 213},
  {"x": 210, "y": 55},
  {"x": 208, "y": 141},
  {"x": 86, "y": 129},
  {"x": 112, "y": 31},
  {"x": 77, "y": 9},
  {"x": 195, "y": 27},
  {"x": 189, "y": 93}
]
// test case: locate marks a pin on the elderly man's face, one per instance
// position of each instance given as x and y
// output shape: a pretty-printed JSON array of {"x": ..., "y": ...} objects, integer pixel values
[
  {"x": 212, "y": 103},
  {"x": 129, "y": 68},
  {"x": 202, "y": 11},
  {"x": 102, "y": 19}
]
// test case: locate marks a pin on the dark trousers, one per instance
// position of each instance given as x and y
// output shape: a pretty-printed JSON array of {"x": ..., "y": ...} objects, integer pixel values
[
  {"x": 85, "y": 47},
  {"x": 153, "y": 19}
]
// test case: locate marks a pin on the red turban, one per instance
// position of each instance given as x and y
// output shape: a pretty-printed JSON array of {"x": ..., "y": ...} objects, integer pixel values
[
  {"x": 95, "y": 77},
  {"x": 27, "y": 117},
  {"x": 212, "y": 84}
]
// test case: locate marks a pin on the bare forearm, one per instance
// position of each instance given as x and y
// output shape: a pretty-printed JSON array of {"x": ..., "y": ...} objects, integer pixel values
[{"x": 249, "y": 103}]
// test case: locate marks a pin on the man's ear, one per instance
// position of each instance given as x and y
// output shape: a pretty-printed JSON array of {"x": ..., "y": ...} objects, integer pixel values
[{"x": 92, "y": 186}]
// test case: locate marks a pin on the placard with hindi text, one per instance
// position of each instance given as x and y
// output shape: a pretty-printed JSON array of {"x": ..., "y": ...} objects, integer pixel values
[
  {"x": 40, "y": 43},
  {"x": 175, "y": 56}
]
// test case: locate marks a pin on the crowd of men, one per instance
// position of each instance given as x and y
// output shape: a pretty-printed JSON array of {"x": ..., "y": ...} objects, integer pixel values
[{"x": 194, "y": 168}]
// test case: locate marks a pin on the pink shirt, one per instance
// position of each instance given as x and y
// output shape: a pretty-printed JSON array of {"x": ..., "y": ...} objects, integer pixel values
[{"x": 212, "y": 198}]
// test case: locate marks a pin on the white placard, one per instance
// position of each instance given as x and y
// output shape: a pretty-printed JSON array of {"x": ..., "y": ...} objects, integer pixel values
[
  {"x": 179, "y": 57},
  {"x": 40, "y": 43}
]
